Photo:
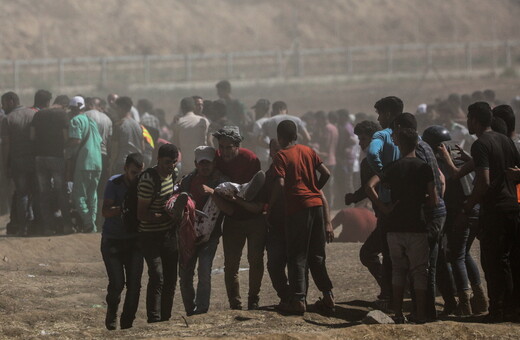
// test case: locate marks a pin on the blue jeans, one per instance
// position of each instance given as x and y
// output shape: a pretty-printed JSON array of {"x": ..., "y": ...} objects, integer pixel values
[
  {"x": 460, "y": 239},
  {"x": 124, "y": 264},
  {"x": 50, "y": 172},
  {"x": 205, "y": 253}
]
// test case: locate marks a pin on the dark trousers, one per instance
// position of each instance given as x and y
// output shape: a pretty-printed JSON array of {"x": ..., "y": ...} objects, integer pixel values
[
  {"x": 277, "y": 260},
  {"x": 124, "y": 264},
  {"x": 23, "y": 173},
  {"x": 499, "y": 241},
  {"x": 306, "y": 251},
  {"x": 234, "y": 237},
  {"x": 369, "y": 255},
  {"x": 161, "y": 254}
]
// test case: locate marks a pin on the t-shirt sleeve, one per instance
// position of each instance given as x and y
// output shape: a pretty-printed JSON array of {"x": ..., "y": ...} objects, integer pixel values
[
  {"x": 110, "y": 191},
  {"x": 480, "y": 155},
  {"x": 278, "y": 167},
  {"x": 75, "y": 129},
  {"x": 374, "y": 152},
  {"x": 427, "y": 173},
  {"x": 145, "y": 187},
  {"x": 315, "y": 158}
]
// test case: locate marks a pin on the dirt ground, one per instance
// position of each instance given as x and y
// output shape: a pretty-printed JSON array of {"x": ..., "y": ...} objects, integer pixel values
[{"x": 54, "y": 287}]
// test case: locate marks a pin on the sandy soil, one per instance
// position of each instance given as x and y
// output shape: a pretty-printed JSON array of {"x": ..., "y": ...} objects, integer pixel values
[{"x": 54, "y": 287}]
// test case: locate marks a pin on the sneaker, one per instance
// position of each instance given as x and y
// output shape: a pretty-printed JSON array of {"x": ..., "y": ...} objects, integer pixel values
[
  {"x": 178, "y": 206},
  {"x": 249, "y": 190},
  {"x": 400, "y": 320}
]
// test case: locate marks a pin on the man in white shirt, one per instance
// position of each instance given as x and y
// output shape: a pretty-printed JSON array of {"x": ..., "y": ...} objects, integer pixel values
[
  {"x": 189, "y": 131},
  {"x": 261, "y": 108},
  {"x": 279, "y": 114}
]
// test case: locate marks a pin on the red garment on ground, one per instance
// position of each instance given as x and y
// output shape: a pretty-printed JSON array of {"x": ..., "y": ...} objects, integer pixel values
[
  {"x": 297, "y": 166},
  {"x": 358, "y": 224},
  {"x": 242, "y": 168}
]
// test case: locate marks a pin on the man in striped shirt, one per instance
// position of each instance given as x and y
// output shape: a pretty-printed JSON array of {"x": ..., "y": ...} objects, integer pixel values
[{"x": 157, "y": 233}]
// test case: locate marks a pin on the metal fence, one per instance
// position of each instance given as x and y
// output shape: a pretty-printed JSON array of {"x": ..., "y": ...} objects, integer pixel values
[{"x": 150, "y": 70}]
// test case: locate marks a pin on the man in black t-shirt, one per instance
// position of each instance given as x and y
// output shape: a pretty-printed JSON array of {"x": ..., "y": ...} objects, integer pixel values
[
  {"x": 493, "y": 154},
  {"x": 49, "y": 133},
  {"x": 410, "y": 180}
]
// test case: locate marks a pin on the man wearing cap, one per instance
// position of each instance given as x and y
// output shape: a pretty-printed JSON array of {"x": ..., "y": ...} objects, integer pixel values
[
  {"x": 84, "y": 163},
  {"x": 189, "y": 131},
  {"x": 18, "y": 156},
  {"x": 205, "y": 173},
  {"x": 261, "y": 108},
  {"x": 240, "y": 165}
]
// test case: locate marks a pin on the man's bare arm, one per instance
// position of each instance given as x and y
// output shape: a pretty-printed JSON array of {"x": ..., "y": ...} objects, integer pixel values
[{"x": 324, "y": 176}]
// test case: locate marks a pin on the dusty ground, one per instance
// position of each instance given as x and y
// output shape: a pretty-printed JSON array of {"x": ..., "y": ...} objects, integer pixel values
[
  {"x": 76, "y": 28},
  {"x": 54, "y": 287}
]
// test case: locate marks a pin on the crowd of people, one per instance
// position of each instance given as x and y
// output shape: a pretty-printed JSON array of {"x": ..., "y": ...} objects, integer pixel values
[{"x": 167, "y": 193}]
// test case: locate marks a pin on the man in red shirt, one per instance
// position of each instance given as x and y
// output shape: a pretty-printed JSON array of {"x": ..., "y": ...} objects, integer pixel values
[
  {"x": 240, "y": 165},
  {"x": 295, "y": 168}
]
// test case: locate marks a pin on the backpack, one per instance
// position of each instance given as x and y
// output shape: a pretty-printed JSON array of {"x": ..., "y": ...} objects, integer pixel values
[{"x": 129, "y": 206}]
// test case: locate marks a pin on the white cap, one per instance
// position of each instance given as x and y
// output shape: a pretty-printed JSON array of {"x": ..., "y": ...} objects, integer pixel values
[
  {"x": 422, "y": 108},
  {"x": 78, "y": 102},
  {"x": 204, "y": 153}
]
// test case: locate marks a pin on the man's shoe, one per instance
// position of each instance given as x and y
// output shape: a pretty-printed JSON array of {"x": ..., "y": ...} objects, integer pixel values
[
  {"x": 110, "y": 319},
  {"x": 252, "y": 305},
  {"x": 178, "y": 207},
  {"x": 237, "y": 306},
  {"x": 479, "y": 300},
  {"x": 494, "y": 317},
  {"x": 253, "y": 187},
  {"x": 298, "y": 307}
]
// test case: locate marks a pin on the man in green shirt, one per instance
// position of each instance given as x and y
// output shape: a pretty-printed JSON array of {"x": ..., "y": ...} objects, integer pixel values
[{"x": 84, "y": 166}]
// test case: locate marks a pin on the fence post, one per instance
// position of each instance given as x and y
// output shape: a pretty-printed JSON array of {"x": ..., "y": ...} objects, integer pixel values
[
  {"x": 508, "y": 55},
  {"x": 469, "y": 58},
  {"x": 146, "y": 64},
  {"x": 279, "y": 62},
  {"x": 429, "y": 56},
  {"x": 187, "y": 66},
  {"x": 389, "y": 59},
  {"x": 61, "y": 73},
  {"x": 16, "y": 75},
  {"x": 349, "y": 60},
  {"x": 299, "y": 62},
  {"x": 229, "y": 65},
  {"x": 104, "y": 75}
]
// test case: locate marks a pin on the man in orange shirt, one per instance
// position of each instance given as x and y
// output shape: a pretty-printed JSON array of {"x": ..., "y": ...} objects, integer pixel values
[{"x": 295, "y": 169}]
